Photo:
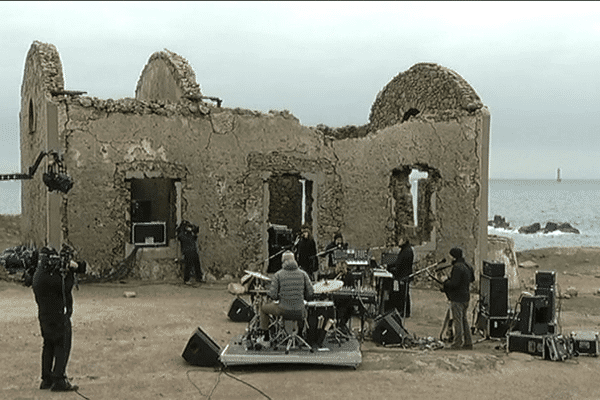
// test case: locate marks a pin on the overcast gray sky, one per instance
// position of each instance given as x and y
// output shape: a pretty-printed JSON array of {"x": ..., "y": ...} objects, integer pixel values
[{"x": 534, "y": 65}]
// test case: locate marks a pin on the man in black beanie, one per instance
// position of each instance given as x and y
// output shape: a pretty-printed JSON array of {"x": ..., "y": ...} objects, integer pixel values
[
  {"x": 457, "y": 289},
  {"x": 52, "y": 284}
]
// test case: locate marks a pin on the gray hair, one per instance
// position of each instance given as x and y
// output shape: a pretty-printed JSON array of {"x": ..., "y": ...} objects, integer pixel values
[{"x": 287, "y": 255}]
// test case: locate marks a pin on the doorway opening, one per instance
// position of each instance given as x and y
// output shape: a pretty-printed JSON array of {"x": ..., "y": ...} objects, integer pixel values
[
  {"x": 153, "y": 211},
  {"x": 290, "y": 207}
]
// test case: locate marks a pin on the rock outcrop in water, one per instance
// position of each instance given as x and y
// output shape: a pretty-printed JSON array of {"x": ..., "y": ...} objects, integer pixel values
[
  {"x": 550, "y": 227},
  {"x": 499, "y": 222}
]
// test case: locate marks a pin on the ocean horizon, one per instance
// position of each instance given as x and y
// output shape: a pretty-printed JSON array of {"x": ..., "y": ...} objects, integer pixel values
[{"x": 521, "y": 202}]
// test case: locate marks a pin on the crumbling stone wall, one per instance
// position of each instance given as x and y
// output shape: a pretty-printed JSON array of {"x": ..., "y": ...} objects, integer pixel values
[
  {"x": 42, "y": 76},
  {"x": 222, "y": 161},
  {"x": 425, "y": 88},
  {"x": 167, "y": 76}
]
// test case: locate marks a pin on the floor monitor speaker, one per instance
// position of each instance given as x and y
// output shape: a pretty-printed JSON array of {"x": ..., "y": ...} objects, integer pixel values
[
  {"x": 389, "y": 329},
  {"x": 240, "y": 311},
  {"x": 202, "y": 350}
]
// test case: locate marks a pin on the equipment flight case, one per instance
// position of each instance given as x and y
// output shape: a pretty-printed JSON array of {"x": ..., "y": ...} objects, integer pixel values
[
  {"x": 529, "y": 344},
  {"x": 585, "y": 342}
]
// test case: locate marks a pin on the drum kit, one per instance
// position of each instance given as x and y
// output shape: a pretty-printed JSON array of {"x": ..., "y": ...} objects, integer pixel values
[{"x": 321, "y": 314}]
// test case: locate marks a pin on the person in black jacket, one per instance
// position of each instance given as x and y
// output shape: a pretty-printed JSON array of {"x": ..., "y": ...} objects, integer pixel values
[
  {"x": 401, "y": 268},
  {"x": 306, "y": 252},
  {"x": 187, "y": 233},
  {"x": 457, "y": 289},
  {"x": 337, "y": 244},
  {"x": 52, "y": 284}
]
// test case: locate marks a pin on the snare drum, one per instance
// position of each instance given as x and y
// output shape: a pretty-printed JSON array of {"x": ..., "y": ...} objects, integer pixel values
[{"x": 318, "y": 314}]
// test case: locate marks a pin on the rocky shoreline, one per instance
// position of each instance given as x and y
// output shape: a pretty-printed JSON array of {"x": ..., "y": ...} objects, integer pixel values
[{"x": 499, "y": 222}]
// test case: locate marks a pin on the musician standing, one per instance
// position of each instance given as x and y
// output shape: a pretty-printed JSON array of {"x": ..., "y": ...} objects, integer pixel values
[
  {"x": 337, "y": 244},
  {"x": 401, "y": 268},
  {"x": 457, "y": 289},
  {"x": 306, "y": 252}
]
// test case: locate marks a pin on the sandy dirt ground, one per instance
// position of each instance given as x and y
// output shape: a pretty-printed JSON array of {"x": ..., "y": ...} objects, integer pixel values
[{"x": 131, "y": 348}]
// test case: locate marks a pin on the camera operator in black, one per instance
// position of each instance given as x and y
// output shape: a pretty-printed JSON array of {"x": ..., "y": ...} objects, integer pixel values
[
  {"x": 187, "y": 233},
  {"x": 52, "y": 285}
]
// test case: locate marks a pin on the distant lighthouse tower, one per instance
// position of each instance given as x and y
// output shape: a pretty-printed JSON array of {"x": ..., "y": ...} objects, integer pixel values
[{"x": 558, "y": 175}]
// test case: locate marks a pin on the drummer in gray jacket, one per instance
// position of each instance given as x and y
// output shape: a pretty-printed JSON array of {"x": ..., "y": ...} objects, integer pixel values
[{"x": 291, "y": 286}]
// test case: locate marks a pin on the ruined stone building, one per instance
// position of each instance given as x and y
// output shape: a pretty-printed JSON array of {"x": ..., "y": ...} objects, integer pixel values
[{"x": 143, "y": 164}]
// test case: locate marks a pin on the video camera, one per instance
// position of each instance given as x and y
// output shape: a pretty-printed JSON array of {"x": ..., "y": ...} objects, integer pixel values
[{"x": 57, "y": 262}]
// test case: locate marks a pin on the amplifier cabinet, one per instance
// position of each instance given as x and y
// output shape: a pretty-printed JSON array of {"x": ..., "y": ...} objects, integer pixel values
[
  {"x": 536, "y": 315},
  {"x": 524, "y": 343},
  {"x": 550, "y": 293},
  {"x": 585, "y": 342},
  {"x": 493, "y": 296},
  {"x": 545, "y": 279},
  {"x": 492, "y": 327},
  {"x": 493, "y": 269}
]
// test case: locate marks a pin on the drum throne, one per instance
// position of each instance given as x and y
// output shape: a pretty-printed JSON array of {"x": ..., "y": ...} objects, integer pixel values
[{"x": 288, "y": 334}]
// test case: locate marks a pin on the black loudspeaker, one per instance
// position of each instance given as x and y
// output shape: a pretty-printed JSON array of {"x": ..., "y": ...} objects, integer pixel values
[
  {"x": 202, "y": 350},
  {"x": 545, "y": 279},
  {"x": 493, "y": 270},
  {"x": 492, "y": 327},
  {"x": 535, "y": 316},
  {"x": 389, "y": 329},
  {"x": 240, "y": 311},
  {"x": 550, "y": 294},
  {"x": 493, "y": 296}
]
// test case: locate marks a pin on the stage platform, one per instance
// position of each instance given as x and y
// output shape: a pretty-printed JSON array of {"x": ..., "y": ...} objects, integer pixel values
[{"x": 345, "y": 354}]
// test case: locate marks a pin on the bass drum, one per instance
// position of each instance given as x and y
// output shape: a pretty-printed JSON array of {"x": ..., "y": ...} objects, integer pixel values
[{"x": 318, "y": 314}]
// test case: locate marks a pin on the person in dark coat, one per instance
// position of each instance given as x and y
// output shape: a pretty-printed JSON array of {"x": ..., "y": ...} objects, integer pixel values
[
  {"x": 306, "y": 252},
  {"x": 52, "y": 284},
  {"x": 187, "y": 234},
  {"x": 457, "y": 289},
  {"x": 337, "y": 244},
  {"x": 401, "y": 268}
]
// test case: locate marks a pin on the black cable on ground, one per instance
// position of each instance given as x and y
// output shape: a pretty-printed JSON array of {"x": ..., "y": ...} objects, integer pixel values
[
  {"x": 222, "y": 371},
  {"x": 86, "y": 398}
]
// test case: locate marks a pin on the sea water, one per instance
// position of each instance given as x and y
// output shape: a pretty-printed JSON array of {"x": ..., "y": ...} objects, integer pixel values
[
  {"x": 520, "y": 202},
  {"x": 525, "y": 202}
]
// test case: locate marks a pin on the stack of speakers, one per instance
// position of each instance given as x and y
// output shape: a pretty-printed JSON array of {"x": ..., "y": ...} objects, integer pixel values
[
  {"x": 493, "y": 300},
  {"x": 537, "y": 323},
  {"x": 538, "y": 312}
]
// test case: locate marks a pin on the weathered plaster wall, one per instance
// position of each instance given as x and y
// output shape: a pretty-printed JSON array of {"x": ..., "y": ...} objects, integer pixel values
[
  {"x": 366, "y": 167},
  {"x": 223, "y": 158},
  {"x": 42, "y": 75}
]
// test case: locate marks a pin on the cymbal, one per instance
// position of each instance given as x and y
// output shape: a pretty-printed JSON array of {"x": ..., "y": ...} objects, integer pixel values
[
  {"x": 327, "y": 286},
  {"x": 258, "y": 275}
]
